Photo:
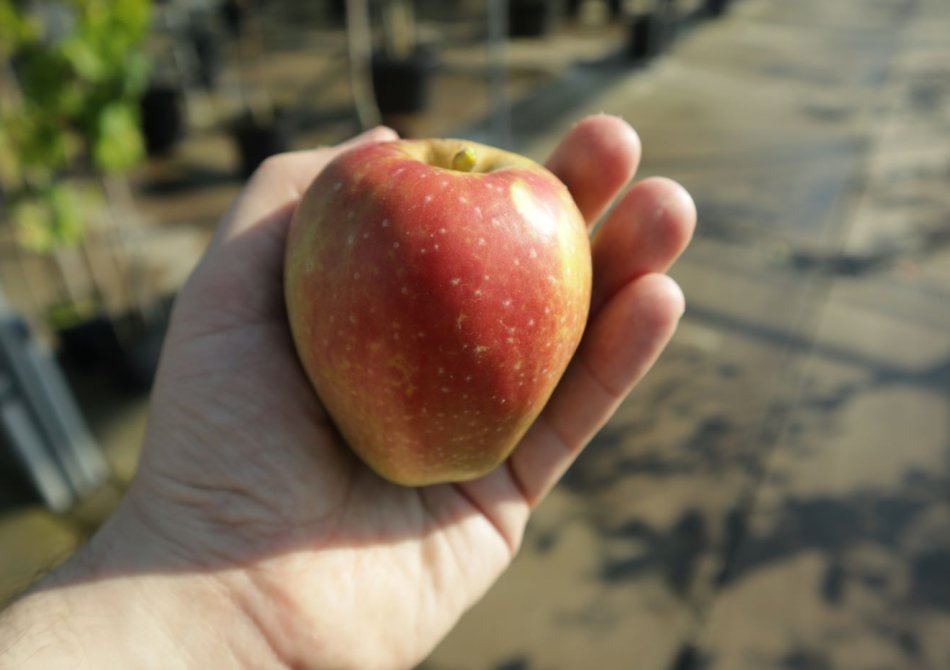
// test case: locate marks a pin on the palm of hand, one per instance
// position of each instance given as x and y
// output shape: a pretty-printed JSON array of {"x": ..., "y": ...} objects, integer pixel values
[
  {"x": 336, "y": 566},
  {"x": 319, "y": 532}
]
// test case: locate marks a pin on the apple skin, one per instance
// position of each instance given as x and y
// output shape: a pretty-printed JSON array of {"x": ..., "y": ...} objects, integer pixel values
[{"x": 435, "y": 309}]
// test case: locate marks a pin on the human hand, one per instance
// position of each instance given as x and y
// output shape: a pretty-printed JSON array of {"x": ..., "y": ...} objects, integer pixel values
[{"x": 244, "y": 480}]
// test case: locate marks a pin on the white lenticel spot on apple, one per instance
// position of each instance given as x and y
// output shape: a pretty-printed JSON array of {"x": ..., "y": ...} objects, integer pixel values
[
  {"x": 533, "y": 253},
  {"x": 441, "y": 371},
  {"x": 517, "y": 262},
  {"x": 463, "y": 200},
  {"x": 506, "y": 302},
  {"x": 365, "y": 236},
  {"x": 404, "y": 290},
  {"x": 478, "y": 292},
  {"x": 385, "y": 223},
  {"x": 337, "y": 186},
  {"x": 482, "y": 242},
  {"x": 444, "y": 183},
  {"x": 356, "y": 275},
  {"x": 435, "y": 247},
  {"x": 495, "y": 222},
  {"x": 441, "y": 231},
  {"x": 552, "y": 279},
  {"x": 455, "y": 281},
  {"x": 428, "y": 198},
  {"x": 395, "y": 336},
  {"x": 350, "y": 240}
]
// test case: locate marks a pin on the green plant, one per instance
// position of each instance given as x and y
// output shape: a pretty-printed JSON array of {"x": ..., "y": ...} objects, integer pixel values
[{"x": 73, "y": 72}]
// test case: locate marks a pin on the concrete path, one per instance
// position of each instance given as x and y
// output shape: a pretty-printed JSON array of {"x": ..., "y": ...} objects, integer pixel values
[{"x": 776, "y": 495}]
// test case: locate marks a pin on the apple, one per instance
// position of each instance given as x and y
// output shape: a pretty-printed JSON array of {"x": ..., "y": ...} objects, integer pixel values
[{"x": 436, "y": 291}]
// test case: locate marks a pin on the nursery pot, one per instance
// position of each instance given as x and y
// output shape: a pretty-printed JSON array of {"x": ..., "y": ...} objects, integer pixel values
[
  {"x": 162, "y": 121},
  {"x": 134, "y": 369},
  {"x": 530, "y": 18},
  {"x": 89, "y": 344},
  {"x": 403, "y": 85},
  {"x": 204, "y": 40},
  {"x": 716, "y": 7},
  {"x": 337, "y": 10},
  {"x": 256, "y": 139},
  {"x": 126, "y": 347},
  {"x": 643, "y": 37}
]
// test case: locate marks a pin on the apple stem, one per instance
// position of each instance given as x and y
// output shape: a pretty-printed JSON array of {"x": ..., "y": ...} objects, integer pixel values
[{"x": 464, "y": 160}]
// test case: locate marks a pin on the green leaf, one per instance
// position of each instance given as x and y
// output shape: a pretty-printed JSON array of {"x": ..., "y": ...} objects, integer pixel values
[
  {"x": 84, "y": 59},
  {"x": 10, "y": 168},
  {"x": 32, "y": 224},
  {"x": 49, "y": 220},
  {"x": 15, "y": 28},
  {"x": 118, "y": 142},
  {"x": 67, "y": 216},
  {"x": 136, "y": 75}
]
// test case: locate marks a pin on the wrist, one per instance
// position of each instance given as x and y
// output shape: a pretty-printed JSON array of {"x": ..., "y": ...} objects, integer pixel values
[{"x": 127, "y": 600}]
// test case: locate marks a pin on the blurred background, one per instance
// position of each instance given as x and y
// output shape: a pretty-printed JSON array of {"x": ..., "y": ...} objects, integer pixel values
[{"x": 775, "y": 495}]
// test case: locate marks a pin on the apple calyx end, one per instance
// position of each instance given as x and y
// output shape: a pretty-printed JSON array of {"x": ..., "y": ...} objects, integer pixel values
[{"x": 464, "y": 160}]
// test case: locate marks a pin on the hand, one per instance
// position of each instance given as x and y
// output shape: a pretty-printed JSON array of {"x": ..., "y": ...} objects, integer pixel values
[{"x": 244, "y": 480}]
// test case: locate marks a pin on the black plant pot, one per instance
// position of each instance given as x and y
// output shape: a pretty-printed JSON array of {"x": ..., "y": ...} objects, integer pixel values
[
  {"x": 644, "y": 37},
  {"x": 716, "y": 7},
  {"x": 205, "y": 42},
  {"x": 134, "y": 370},
  {"x": 403, "y": 86},
  {"x": 530, "y": 18},
  {"x": 89, "y": 344},
  {"x": 162, "y": 121},
  {"x": 233, "y": 16},
  {"x": 126, "y": 348},
  {"x": 337, "y": 10},
  {"x": 258, "y": 140}
]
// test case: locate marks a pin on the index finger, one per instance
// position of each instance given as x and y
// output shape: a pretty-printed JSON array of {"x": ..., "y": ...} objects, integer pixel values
[{"x": 596, "y": 159}]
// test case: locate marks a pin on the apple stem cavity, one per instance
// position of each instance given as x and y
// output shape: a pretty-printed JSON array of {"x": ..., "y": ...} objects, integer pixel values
[{"x": 464, "y": 160}]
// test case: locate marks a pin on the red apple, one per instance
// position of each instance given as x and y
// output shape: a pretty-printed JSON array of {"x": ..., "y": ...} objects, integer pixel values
[{"x": 436, "y": 291}]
